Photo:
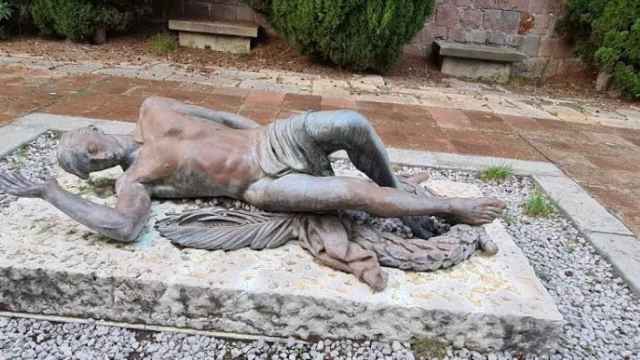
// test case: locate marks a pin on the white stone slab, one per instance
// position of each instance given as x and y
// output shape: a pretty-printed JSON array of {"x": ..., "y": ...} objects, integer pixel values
[
  {"x": 42, "y": 122},
  {"x": 13, "y": 136},
  {"x": 582, "y": 209},
  {"x": 51, "y": 265},
  {"x": 623, "y": 252},
  {"x": 464, "y": 162},
  {"x": 446, "y": 188}
]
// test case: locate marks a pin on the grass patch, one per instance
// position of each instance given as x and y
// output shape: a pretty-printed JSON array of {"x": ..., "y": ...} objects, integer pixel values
[
  {"x": 539, "y": 206},
  {"x": 162, "y": 44},
  {"x": 509, "y": 219},
  {"x": 497, "y": 173}
]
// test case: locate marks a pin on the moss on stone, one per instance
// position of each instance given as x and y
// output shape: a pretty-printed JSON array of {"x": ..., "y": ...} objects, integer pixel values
[{"x": 428, "y": 348}]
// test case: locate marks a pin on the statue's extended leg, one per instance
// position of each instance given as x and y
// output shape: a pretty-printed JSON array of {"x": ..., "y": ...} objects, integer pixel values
[
  {"x": 351, "y": 131},
  {"x": 306, "y": 193}
]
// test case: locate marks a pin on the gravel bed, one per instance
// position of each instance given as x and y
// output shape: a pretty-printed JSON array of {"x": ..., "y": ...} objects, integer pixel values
[
  {"x": 35, "y": 160},
  {"x": 34, "y": 339},
  {"x": 601, "y": 313}
]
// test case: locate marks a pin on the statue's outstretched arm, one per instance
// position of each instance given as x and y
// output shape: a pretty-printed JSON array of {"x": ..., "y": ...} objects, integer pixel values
[
  {"x": 123, "y": 223},
  {"x": 228, "y": 119}
]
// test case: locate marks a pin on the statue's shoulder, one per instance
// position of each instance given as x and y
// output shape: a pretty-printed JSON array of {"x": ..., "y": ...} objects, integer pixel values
[{"x": 150, "y": 128}]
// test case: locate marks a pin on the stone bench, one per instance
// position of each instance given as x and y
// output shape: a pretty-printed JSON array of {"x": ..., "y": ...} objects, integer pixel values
[
  {"x": 233, "y": 37},
  {"x": 477, "y": 62}
]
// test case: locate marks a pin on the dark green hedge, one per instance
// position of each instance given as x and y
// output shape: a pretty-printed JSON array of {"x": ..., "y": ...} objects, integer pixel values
[
  {"x": 15, "y": 17},
  {"x": 361, "y": 34},
  {"x": 78, "y": 20},
  {"x": 607, "y": 34},
  {"x": 6, "y": 12}
]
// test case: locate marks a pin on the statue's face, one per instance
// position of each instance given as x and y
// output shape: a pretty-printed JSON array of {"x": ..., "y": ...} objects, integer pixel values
[{"x": 87, "y": 150}]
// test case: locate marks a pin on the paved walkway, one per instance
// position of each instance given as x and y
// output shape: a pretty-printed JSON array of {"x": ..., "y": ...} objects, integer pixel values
[
  {"x": 452, "y": 93},
  {"x": 603, "y": 159}
]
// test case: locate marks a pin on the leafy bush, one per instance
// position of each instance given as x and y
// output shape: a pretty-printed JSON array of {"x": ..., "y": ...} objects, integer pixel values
[
  {"x": 362, "y": 34},
  {"x": 80, "y": 19},
  {"x": 5, "y": 14},
  {"x": 607, "y": 34},
  {"x": 5, "y": 10},
  {"x": 15, "y": 17}
]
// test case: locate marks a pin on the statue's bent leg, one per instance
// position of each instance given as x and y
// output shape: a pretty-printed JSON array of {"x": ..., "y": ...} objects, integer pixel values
[{"x": 351, "y": 131}]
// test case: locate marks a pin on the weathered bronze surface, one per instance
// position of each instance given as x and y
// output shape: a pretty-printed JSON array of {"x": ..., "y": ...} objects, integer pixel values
[{"x": 184, "y": 151}]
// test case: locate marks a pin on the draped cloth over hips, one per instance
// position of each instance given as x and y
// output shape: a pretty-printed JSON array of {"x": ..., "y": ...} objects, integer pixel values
[{"x": 286, "y": 147}]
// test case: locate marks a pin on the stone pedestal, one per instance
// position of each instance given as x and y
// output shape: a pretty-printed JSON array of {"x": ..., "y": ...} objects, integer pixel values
[{"x": 51, "y": 265}]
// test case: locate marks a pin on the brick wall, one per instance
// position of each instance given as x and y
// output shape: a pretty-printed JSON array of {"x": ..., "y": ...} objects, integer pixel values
[
  {"x": 234, "y": 10},
  {"x": 524, "y": 24}
]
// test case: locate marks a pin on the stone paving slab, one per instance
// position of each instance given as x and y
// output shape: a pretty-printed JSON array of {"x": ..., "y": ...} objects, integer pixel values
[{"x": 51, "y": 265}]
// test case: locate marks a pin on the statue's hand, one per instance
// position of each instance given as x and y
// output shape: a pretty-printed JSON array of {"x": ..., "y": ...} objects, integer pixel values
[{"x": 17, "y": 185}]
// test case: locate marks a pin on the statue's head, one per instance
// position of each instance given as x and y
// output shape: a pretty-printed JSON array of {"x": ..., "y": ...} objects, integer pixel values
[{"x": 88, "y": 149}]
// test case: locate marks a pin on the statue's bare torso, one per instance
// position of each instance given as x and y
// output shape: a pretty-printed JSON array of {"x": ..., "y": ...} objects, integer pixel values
[{"x": 192, "y": 157}]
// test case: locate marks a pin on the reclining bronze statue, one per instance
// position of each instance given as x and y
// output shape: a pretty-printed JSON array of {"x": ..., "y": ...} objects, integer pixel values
[{"x": 185, "y": 151}]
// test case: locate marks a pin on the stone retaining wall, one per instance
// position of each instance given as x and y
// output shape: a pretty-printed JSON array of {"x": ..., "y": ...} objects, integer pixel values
[{"x": 524, "y": 24}]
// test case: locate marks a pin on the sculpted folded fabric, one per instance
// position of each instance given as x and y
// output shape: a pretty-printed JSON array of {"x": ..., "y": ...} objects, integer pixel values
[{"x": 334, "y": 240}]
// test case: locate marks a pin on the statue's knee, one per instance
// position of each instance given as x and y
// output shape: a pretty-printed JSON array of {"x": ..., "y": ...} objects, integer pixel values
[
  {"x": 355, "y": 121},
  {"x": 149, "y": 103},
  {"x": 154, "y": 103}
]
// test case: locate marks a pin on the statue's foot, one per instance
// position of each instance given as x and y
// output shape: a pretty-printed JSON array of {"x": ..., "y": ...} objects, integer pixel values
[{"x": 476, "y": 211}]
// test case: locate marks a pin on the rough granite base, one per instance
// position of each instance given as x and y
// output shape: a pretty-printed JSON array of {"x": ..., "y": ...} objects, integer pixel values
[{"x": 51, "y": 265}]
